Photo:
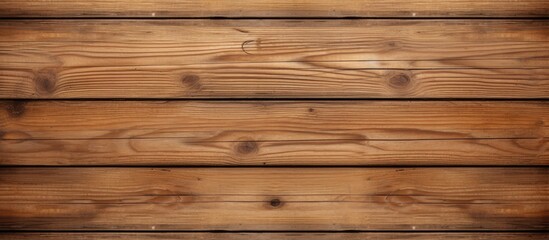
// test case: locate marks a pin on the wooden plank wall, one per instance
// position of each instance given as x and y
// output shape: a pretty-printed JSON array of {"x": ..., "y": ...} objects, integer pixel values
[{"x": 264, "y": 119}]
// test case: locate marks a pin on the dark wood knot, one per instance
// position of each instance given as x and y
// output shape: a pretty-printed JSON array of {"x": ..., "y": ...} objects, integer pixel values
[
  {"x": 191, "y": 82},
  {"x": 399, "y": 80},
  {"x": 247, "y": 147},
  {"x": 16, "y": 109},
  {"x": 45, "y": 81},
  {"x": 275, "y": 202}
]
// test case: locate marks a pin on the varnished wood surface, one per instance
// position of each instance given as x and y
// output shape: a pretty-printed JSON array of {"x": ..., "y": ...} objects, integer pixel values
[
  {"x": 273, "y": 133},
  {"x": 274, "y": 8},
  {"x": 274, "y": 198},
  {"x": 47, "y": 59},
  {"x": 275, "y": 236}
]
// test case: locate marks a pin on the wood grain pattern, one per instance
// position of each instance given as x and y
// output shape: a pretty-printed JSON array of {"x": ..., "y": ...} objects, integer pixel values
[
  {"x": 273, "y": 133},
  {"x": 275, "y": 236},
  {"x": 347, "y": 152},
  {"x": 274, "y": 59},
  {"x": 274, "y": 8},
  {"x": 274, "y": 198},
  {"x": 274, "y": 119}
]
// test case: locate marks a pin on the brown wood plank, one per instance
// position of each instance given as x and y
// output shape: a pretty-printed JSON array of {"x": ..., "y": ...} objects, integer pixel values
[
  {"x": 275, "y": 236},
  {"x": 274, "y": 58},
  {"x": 349, "y": 152},
  {"x": 274, "y": 198},
  {"x": 274, "y": 8},
  {"x": 273, "y": 133}
]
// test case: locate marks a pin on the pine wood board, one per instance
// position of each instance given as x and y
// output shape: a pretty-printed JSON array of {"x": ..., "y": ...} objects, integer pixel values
[
  {"x": 274, "y": 8},
  {"x": 182, "y": 59},
  {"x": 281, "y": 199}
]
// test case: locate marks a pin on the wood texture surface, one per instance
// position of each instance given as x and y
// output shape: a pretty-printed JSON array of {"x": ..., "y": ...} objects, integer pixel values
[
  {"x": 274, "y": 8},
  {"x": 274, "y": 198},
  {"x": 274, "y": 58},
  {"x": 274, "y": 119},
  {"x": 349, "y": 152},
  {"x": 275, "y": 236},
  {"x": 273, "y": 133}
]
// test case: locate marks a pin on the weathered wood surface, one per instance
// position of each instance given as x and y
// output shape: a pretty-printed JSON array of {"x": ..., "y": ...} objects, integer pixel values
[
  {"x": 275, "y": 236},
  {"x": 274, "y": 58},
  {"x": 274, "y": 8},
  {"x": 274, "y": 198},
  {"x": 273, "y": 133}
]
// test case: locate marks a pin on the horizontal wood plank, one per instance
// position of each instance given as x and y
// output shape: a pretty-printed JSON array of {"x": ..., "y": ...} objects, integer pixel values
[
  {"x": 275, "y": 236},
  {"x": 274, "y": 8},
  {"x": 349, "y": 152},
  {"x": 274, "y": 59},
  {"x": 273, "y": 133},
  {"x": 274, "y": 198}
]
